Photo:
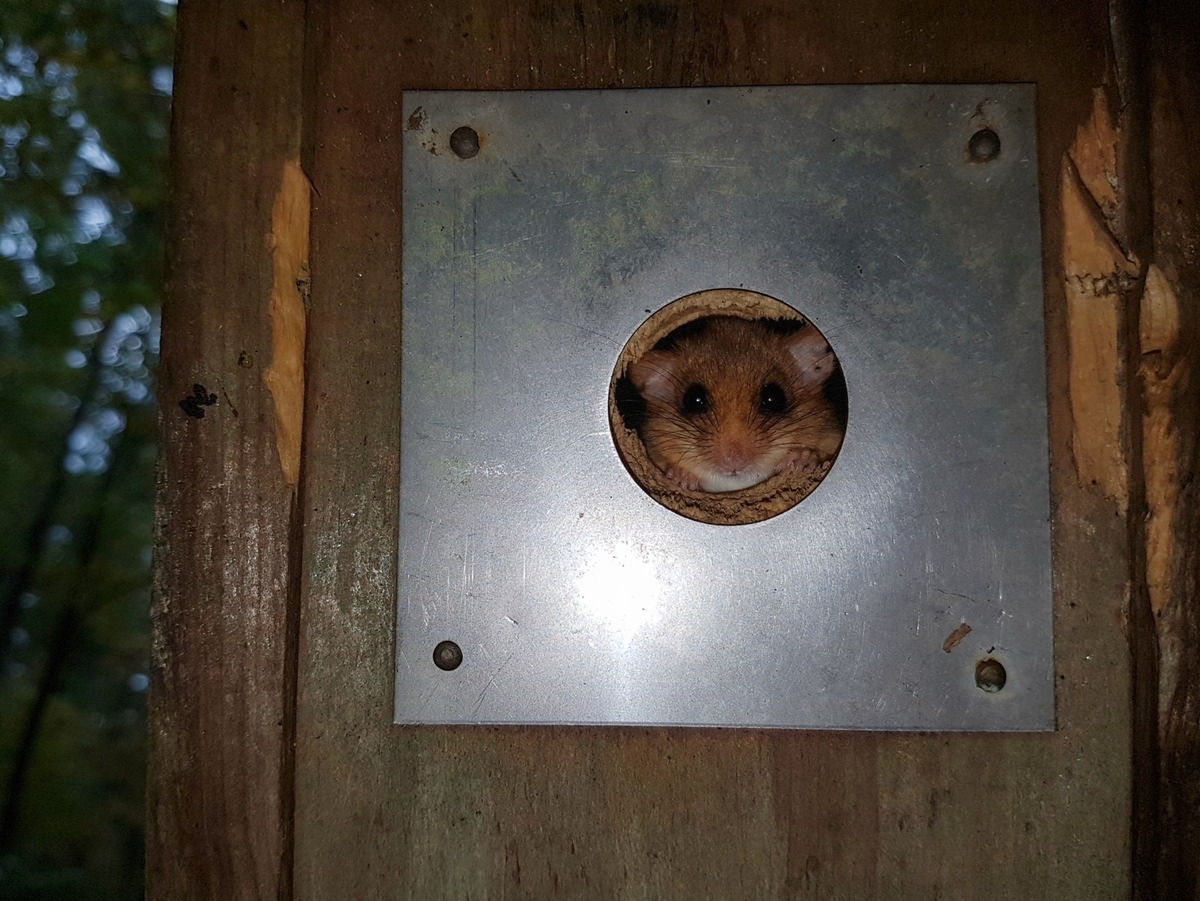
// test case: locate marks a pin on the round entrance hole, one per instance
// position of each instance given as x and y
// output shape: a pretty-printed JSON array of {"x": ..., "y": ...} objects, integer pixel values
[{"x": 728, "y": 406}]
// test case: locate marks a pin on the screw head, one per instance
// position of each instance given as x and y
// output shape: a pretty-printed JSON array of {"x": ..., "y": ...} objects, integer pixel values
[
  {"x": 447, "y": 655},
  {"x": 464, "y": 141},
  {"x": 984, "y": 146},
  {"x": 990, "y": 674}
]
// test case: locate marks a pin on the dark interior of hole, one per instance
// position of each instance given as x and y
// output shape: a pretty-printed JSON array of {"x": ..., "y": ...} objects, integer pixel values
[
  {"x": 671, "y": 341},
  {"x": 783, "y": 326},
  {"x": 837, "y": 396},
  {"x": 630, "y": 404}
]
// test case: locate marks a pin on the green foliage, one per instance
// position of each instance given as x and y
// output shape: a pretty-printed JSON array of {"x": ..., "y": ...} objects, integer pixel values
[{"x": 84, "y": 106}]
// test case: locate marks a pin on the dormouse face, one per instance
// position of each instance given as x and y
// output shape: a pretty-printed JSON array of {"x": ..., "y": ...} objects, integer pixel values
[{"x": 731, "y": 402}]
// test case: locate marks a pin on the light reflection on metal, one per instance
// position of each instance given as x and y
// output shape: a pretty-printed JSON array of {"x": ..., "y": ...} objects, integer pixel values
[{"x": 620, "y": 589}]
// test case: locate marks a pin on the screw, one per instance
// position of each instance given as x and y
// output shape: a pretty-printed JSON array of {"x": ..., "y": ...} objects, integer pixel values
[
  {"x": 984, "y": 146},
  {"x": 464, "y": 141},
  {"x": 990, "y": 674},
  {"x": 447, "y": 655}
]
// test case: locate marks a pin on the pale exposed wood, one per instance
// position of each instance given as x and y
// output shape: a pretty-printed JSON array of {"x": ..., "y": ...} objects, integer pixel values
[
  {"x": 1166, "y": 373},
  {"x": 1094, "y": 156},
  {"x": 1098, "y": 276},
  {"x": 221, "y": 702},
  {"x": 602, "y": 813},
  {"x": 289, "y": 292}
]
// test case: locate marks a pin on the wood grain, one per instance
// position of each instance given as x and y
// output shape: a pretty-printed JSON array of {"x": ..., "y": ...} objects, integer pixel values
[
  {"x": 1170, "y": 362},
  {"x": 222, "y": 688},
  {"x": 383, "y": 811}
]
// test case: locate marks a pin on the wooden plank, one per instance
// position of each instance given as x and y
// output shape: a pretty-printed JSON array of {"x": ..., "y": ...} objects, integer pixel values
[
  {"x": 222, "y": 690},
  {"x": 602, "y": 813},
  {"x": 1170, "y": 379}
]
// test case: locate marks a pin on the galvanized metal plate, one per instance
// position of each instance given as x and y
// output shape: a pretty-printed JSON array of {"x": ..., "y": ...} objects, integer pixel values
[{"x": 572, "y": 596}]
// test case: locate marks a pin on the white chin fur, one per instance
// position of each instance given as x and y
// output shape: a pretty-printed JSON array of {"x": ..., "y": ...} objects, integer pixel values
[{"x": 717, "y": 482}]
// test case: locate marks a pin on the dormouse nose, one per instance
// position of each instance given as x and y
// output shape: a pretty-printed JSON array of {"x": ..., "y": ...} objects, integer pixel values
[{"x": 733, "y": 452}]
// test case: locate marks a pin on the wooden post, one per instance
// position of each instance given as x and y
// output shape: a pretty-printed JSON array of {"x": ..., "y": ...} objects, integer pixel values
[
  {"x": 222, "y": 697},
  {"x": 276, "y": 770}
]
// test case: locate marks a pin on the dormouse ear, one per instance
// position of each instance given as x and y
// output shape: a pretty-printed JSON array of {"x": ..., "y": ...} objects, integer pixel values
[
  {"x": 813, "y": 356},
  {"x": 654, "y": 375}
]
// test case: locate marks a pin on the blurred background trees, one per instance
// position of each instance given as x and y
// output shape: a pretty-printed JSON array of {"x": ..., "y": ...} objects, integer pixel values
[{"x": 85, "y": 90}]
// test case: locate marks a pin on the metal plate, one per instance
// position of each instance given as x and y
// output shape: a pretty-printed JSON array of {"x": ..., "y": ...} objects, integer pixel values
[{"x": 575, "y": 597}]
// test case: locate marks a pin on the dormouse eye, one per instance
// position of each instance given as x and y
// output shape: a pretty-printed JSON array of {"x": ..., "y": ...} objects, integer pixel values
[
  {"x": 694, "y": 400},
  {"x": 771, "y": 400}
]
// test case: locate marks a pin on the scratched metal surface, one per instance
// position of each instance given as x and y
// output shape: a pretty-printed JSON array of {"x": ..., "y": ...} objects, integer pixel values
[{"x": 574, "y": 596}]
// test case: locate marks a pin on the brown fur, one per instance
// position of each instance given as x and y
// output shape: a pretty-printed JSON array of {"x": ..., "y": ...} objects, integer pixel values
[{"x": 733, "y": 444}]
